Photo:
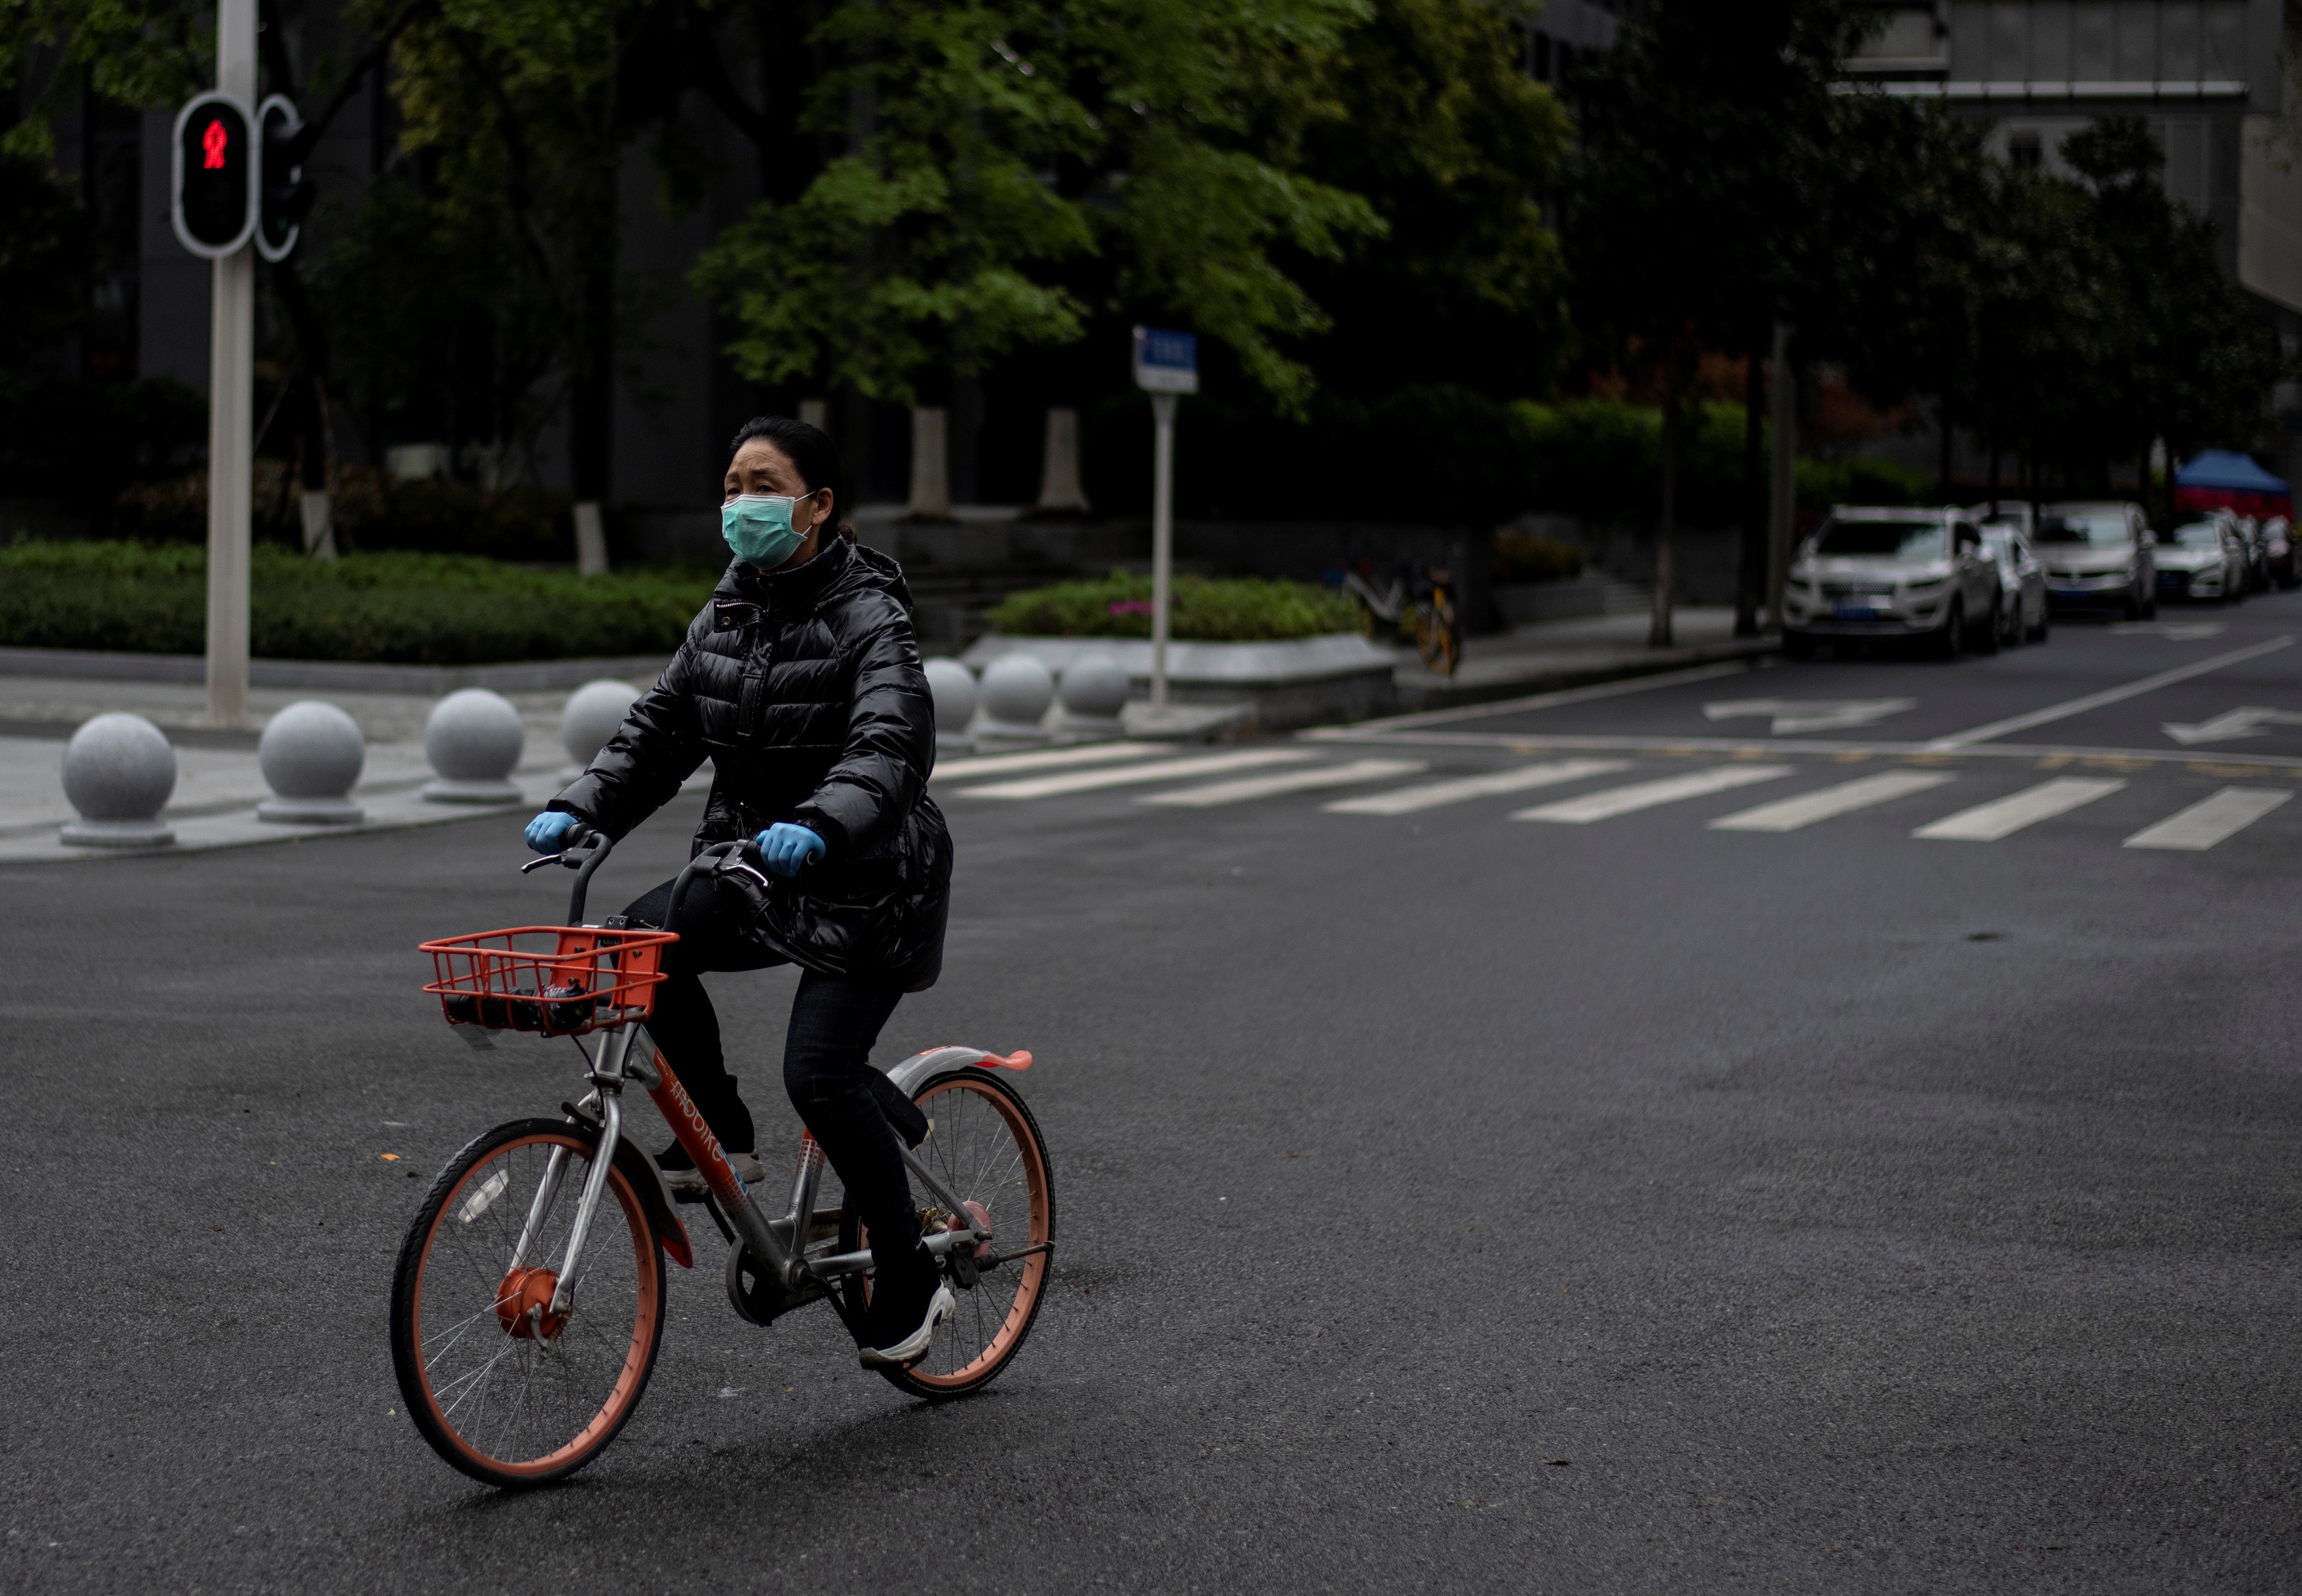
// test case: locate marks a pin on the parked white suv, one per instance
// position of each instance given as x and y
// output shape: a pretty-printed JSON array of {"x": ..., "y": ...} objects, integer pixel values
[
  {"x": 2098, "y": 553},
  {"x": 1875, "y": 574}
]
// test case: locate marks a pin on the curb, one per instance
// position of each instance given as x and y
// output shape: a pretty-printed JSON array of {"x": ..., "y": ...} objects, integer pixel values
[{"x": 1415, "y": 697}]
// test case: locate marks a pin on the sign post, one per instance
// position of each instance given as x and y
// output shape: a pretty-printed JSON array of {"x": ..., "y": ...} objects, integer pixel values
[
  {"x": 219, "y": 173},
  {"x": 1166, "y": 364}
]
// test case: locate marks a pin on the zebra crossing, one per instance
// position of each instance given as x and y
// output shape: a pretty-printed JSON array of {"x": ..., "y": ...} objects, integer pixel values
[{"x": 1204, "y": 780}]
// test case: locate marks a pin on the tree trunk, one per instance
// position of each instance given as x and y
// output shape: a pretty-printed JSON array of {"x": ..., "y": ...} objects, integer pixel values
[
  {"x": 1782, "y": 475},
  {"x": 930, "y": 464},
  {"x": 1658, "y": 635},
  {"x": 1751, "y": 573},
  {"x": 1060, "y": 489}
]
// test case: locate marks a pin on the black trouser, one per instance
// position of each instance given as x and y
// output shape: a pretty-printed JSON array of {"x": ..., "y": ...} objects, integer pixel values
[{"x": 826, "y": 1055}]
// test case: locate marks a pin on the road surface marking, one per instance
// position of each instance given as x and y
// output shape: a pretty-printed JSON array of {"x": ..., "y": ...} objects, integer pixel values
[
  {"x": 1792, "y": 716},
  {"x": 2228, "y": 726},
  {"x": 2172, "y": 631},
  {"x": 1646, "y": 794},
  {"x": 1792, "y": 813},
  {"x": 2210, "y": 820},
  {"x": 1539, "y": 700},
  {"x": 2109, "y": 696},
  {"x": 1286, "y": 781},
  {"x": 2004, "y": 817},
  {"x": 1431, "y": 794},
  {"x": 1088, "y": 781},
  {"x": 1049, "y": 759}
]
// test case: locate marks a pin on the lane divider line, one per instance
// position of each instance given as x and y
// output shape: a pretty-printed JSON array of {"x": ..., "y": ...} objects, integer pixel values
[{"x": 2109, "y": 696}]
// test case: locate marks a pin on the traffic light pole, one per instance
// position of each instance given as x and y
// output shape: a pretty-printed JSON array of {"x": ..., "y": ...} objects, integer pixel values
[{"x": 231, "y": 404}]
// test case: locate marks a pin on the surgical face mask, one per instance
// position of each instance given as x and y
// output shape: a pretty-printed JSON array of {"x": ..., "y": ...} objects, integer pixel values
[{"x": 758, "y": 526}]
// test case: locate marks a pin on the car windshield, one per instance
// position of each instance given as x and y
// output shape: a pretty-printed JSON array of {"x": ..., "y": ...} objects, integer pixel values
[
  {"x": 1895, "y": 540},
  {"x": 2083, "y": 529},
  {"x": 2198, "y": 534}
]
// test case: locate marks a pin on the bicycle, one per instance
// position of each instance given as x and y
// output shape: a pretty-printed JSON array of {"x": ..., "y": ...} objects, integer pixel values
[
  {"x": 1417, "y": 604},
  {"x": 524, "y": 1329}
]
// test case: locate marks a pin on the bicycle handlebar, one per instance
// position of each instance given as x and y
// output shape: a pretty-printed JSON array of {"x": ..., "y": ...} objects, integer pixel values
[{"x": 583, "y": 850}]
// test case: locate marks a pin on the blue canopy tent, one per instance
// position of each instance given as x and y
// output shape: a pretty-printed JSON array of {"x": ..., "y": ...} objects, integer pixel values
[{"x": 2215, "y": 478}]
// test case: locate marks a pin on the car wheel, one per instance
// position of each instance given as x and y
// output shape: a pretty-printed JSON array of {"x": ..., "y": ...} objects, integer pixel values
[{"x": 1798, "y": 645}]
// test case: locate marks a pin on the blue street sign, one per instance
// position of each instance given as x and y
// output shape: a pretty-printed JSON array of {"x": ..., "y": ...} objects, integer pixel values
[{"x": 1166, "y": 362}]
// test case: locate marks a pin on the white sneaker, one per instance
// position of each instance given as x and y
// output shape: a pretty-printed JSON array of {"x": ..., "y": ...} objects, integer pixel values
[
  {"x": 913, "y": 1347},
  {"x": 747, "y": 1167}
]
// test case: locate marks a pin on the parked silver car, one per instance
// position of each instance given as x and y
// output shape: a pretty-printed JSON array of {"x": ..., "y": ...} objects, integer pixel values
[
  {"x": 2203, "y": 560},
  {"x": 2098, "y": 552},
  {"x": 1870, "y": 575},
  {"x": 2021, "y": 581}
]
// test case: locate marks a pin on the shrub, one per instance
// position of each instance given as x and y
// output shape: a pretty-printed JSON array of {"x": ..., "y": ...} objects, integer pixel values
[
  {"x": 1235, "y": 609},
  {"x": 370, "y": 514},
  {"x": 1521, "y": 557},
  {"x": 1822, "y": 484},
  {"x": 400, "y": 607},
  {"x": 1601, "y": 460}
]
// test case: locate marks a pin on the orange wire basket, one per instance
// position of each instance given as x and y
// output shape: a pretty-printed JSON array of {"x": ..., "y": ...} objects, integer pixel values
[{"x": 560, "y": 980}]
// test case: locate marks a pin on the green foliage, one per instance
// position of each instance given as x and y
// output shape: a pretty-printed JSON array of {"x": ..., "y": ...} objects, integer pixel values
[
  {"x": 404, "y": 608},
  {"x": 134, "y": 52},
  {"x": 1822, "y": 484},
  {"x": 1008, "y": 140},
  {"x": 43, "y": 255},
  {"x": 1452, "y": 144},
  {"x": 1601, "y": 460},
  {"x": 1202, "y": 609},
  {"x": 370, "y": 514},
  {"x": 1520, "y": 556}
]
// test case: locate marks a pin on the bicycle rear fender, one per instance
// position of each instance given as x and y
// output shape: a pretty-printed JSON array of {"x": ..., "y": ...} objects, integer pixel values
[{"x": 908, "y": 1075}]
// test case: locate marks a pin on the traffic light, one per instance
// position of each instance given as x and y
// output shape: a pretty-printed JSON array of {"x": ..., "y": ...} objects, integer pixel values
[
  {"x": 287, "y": 193},
  {"x": 216, "y": 173}
]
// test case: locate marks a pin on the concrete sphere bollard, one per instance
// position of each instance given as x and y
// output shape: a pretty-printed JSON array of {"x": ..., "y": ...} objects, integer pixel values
[
  {"x": 119, "y": 771},
  {"x": 594, "y": 711},
  {"x": 311, "y": 755},
  {"x": 474, "y": 740},
  {"x": 953, "y": 686},
  {"x": 1017, "y": 689},
  {"x": 1093, "y": 690}
]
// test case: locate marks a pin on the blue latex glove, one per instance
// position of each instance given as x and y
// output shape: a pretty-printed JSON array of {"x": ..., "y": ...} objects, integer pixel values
[
  {"x": 785, "y": 847},
  {"x": 544, "y": 831}
]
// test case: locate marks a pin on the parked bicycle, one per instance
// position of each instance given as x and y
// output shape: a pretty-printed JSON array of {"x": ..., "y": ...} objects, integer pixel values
[
  {"x": 527, "y": 1308},
  {"x": 1416, "y": 604}
]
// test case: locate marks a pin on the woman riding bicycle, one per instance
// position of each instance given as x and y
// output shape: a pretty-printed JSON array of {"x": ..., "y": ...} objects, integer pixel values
[{"x": 800, "y": 682}]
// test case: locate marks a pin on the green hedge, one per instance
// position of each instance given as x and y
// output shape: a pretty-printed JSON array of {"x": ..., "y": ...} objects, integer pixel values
[
  {"x": 1822, "y": 484},
  {"x": 1237, "y": 610},
  {"x": 403, "y": 609}
]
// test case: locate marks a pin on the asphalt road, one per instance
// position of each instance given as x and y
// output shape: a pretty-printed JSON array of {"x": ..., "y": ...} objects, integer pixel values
[{"x": 1447, "y": 1200}]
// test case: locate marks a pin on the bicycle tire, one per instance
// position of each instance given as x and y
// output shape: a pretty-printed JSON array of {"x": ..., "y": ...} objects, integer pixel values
[
  {"x": 950, "y": 1370},
  {"x": 625, "y": 1359}
]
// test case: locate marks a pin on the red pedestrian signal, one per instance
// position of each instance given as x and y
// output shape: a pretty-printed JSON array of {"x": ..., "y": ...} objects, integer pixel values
[{"x": 217, "y": 177}]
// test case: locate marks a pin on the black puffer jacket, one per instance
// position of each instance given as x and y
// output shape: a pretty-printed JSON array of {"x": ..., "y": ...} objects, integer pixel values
[{"x": 803, "y": 688}]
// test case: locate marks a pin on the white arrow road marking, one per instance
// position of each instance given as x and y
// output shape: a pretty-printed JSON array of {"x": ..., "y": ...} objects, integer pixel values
[
  {"x": 1088, "y": 781},
  {"x": 2210, "y": 820},
  {"x": 1286, "y": 781},
  {"x": 1431, "y": 794},
  {"x": 1792, "y": 813},
  {"x": 1795, "y": 715},
  {"x": 2172, "y": 631},
  {"x": 1646, "y": 794},
  {"x": 2108, "y": 695},
  {"x": 2004, "y": 817},
  {"x": 2228, "y": 726}
]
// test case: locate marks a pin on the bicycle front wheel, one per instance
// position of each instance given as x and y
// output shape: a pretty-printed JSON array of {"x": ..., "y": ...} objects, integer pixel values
[
  {"x": 986, "y": 1146},
  {"x": 502, "y": 1387}
]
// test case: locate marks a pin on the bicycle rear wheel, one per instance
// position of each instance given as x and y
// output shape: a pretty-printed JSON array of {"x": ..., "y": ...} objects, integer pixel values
[
  {"x": 502, "y": 1388},
  {"x": 986, "y": 1147}
]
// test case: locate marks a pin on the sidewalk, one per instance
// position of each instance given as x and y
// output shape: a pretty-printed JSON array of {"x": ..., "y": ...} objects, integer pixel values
[
  {"x": 218, "y": 784},
  {"x": 1573, "y": 653}
]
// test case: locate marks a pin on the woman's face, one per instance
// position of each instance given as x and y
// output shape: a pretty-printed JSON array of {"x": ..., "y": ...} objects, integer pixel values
[{"x": 760, "y": 467}]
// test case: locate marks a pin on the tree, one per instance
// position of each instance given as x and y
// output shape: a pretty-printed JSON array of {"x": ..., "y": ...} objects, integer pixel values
[{"x": 1694, "y": 196}]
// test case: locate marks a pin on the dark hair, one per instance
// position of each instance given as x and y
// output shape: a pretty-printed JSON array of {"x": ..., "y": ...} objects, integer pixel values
[{"x": 812, "y": 453}]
